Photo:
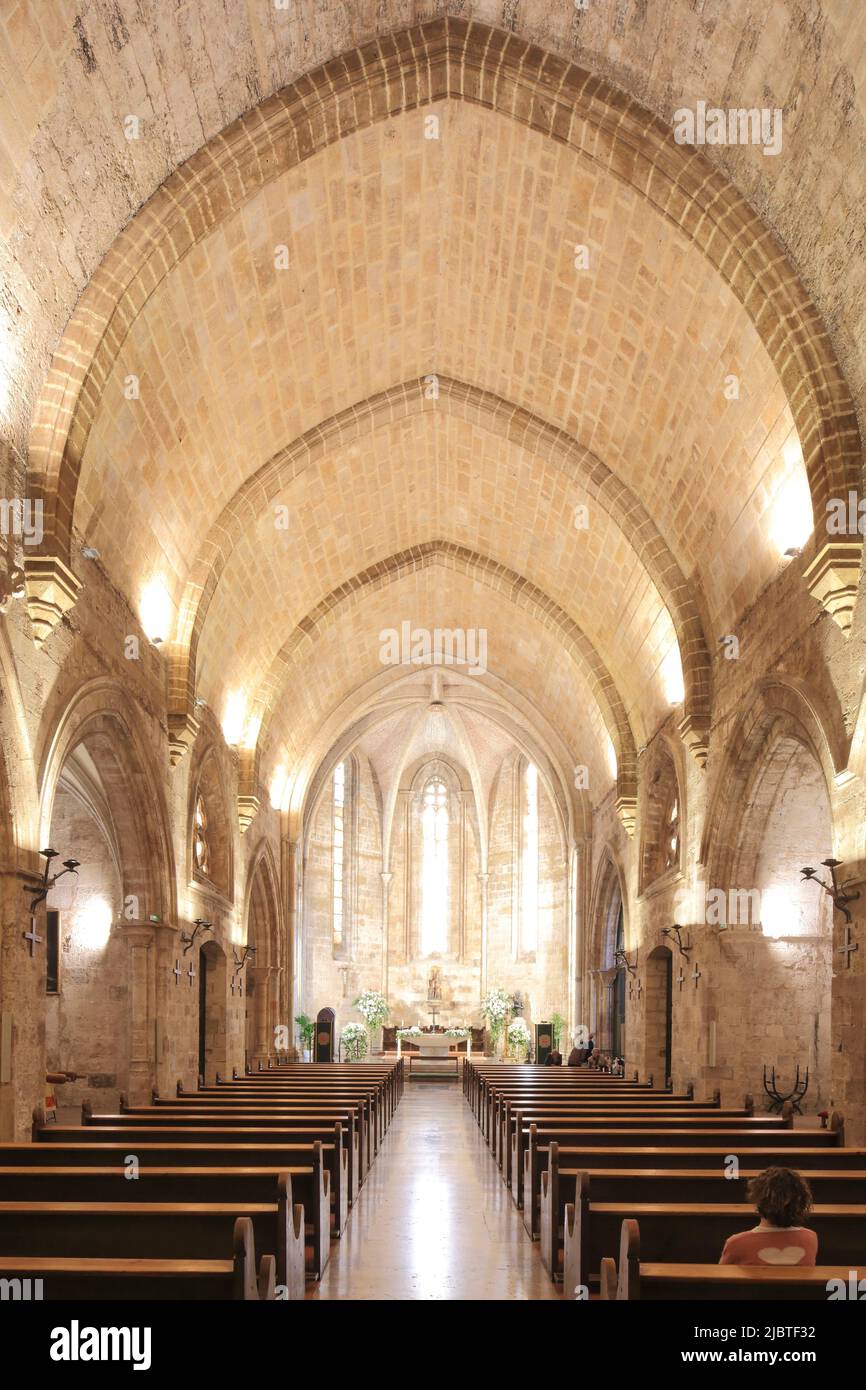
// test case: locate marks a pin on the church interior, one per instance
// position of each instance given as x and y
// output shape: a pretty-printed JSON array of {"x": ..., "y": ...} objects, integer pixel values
[{"x": 432, "y": 720}]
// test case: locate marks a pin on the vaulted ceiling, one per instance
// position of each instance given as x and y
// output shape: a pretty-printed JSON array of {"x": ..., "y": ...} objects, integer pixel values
[{"x": 336, "y": 375}]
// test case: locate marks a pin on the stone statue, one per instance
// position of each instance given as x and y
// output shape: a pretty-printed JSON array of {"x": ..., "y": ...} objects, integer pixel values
[{"x": 434, "y": 984}]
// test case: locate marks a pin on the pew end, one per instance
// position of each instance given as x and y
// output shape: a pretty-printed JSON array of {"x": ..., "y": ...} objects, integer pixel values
[
  {"x": 608, "y": 1279},
  {"x": 266, "y": 1282},
  {"x": 290, "y": 1271},
  {"x": 628, "y": 1282}
]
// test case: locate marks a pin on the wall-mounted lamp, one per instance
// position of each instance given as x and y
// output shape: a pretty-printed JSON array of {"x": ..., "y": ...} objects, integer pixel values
[
  {"x": 621, "y": 961},
  {"x": 239, "y": 964},
  {"x": 676, "y": 931},
  {"x": 42, "y": 886},
  {"x": 837, "y": 891},
  {"x": 201, "y": 926}
]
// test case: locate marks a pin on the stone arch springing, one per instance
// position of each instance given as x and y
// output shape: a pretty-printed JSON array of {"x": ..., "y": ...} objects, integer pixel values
[
  {"x": 772, "y": 812},
  {"x": 101, "y": 719},
  {"x": 96, "y": 776}
]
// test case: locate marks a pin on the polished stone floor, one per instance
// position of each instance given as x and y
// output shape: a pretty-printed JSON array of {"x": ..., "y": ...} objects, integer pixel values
[{"x": 434, "y": 1219}]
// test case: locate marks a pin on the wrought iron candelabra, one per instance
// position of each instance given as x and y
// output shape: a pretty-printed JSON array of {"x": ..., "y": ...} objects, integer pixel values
[{"x": 795, "y": 1095}]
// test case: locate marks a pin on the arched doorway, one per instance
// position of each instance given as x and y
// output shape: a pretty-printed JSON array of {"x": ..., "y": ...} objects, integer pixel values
[
  {"x": 658, "y": 1049},
  {"x": 212, "y": 1035}
]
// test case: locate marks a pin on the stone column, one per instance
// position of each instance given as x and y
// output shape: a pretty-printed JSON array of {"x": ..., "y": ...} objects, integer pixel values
[
  {"x": 142, "y": 950},
  {"x": 848, "y": 1019},
  {"x": 258, "y": 989},
  {"x": 22, "y": 1007},
  {"x": 605, "y": 980},
  {"x": 484, "y": 880},
  {"x": 573, "y": 1005},
  {"x": 386, "y": 893},
  {"x": 290, "y": 874}
]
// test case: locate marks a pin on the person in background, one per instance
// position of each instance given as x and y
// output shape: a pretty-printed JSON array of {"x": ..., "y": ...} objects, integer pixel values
[
  {"x": 553, "y": 1059},
  {"x": 783, "y": 1201}
]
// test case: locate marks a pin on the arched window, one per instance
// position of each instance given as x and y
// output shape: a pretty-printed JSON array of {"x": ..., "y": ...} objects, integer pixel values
[
  {"x": 434, "y": 867},
  {"x": 671, "y": 833},
  {"x": 201, "y": 849},
  {"x": 338, "y": 850},
  {"x": 529, "y": 861}
]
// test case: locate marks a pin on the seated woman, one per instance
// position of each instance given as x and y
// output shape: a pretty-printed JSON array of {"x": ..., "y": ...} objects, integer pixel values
[{"x": 783, "y": 1201}]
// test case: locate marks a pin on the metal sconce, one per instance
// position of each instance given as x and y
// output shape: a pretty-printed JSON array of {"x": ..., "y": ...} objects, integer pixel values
[
  {"x": 621, "y": 961},
  {"x": 42, "y": 887},
  {"x": 201, "y": 926},
  {"x": 676, "y": 931},
  {"x": 239, "y": 964},
  {"x": 837, "y": 891}
]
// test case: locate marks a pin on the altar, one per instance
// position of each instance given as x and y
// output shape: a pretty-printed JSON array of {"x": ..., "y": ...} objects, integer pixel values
[{"x": 432, "y": 1044}]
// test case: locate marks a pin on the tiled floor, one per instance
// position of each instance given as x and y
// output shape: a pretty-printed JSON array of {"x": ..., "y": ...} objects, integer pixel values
[{"x": 434, "y": 1219}]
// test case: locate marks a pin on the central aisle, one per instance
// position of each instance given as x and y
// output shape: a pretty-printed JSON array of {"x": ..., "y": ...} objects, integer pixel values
[{"x": 434, "y": 1219}]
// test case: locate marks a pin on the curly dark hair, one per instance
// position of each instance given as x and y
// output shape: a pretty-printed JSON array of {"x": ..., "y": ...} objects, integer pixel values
[{"x": 781, "y": 1196}]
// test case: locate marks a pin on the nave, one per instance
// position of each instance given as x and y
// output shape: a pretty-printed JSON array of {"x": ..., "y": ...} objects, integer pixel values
[{"x": 434, "y": 1221}]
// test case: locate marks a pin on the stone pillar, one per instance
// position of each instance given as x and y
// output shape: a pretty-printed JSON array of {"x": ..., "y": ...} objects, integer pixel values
[
  {"x": 605, "y": 980},
  {"x": 259, "y": 990},
  {"x": 141, "y": 946},
  {"x": 573, "y": 1006},
  {"x": 22, "y": 1008},
  {"x": 848, "y": 1020},
  {"x": 176, "y": 1005},
  {"x": 386, "y": 893},
  {"x": 484, "y": 880},
  {"x": 290, "y": 875}
]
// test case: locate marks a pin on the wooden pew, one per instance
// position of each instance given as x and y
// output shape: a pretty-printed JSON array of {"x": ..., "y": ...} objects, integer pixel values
[
  {"x": 158, "y": 1230},
  {"x": 223, "y": 1145},
  {"x": 374, "y": 1118},
  {"x": 227, "y": 1157},
  {"x": 778, "y": 1142},
  {"x": 66, "y": 1278},
  {"x": 507, "y": 1104},
  {"x": 519, "y": 1122},
  {"x": 161, "y": 1117},
  {"x": 524, "y": 1097},
  {"x": 559, "y": 1187},
  {"x": 636, "y": 1279},
  {"x": 683, "y": 1232},
  {"x": 191, "y": 1185}
]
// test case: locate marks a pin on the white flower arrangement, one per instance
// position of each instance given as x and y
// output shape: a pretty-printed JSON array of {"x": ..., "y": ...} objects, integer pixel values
[
  {"x": 518, "y": 1031},
  {"x": 372, "y": 1006},
  {"x": 353, "y": 1040},
  {"x": 517, "y": 1035},
  {"x": 457, "y": 1032},
  {"x": 496, "y": 1006},
  {"x": 413, "y": 1032}
]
